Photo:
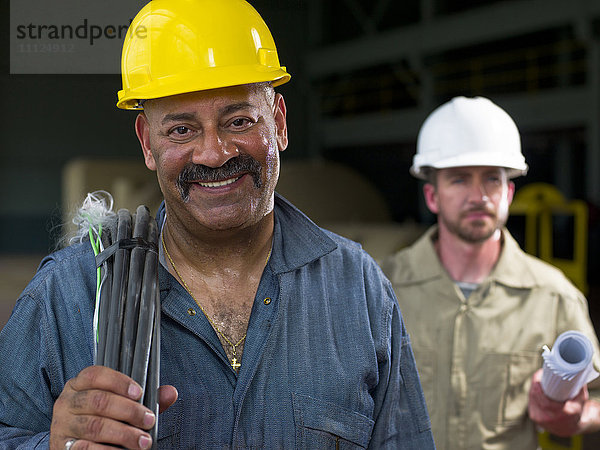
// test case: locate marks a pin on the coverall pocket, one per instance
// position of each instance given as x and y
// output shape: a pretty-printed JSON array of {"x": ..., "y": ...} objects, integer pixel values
[
  {"x": 505, "y": 396},
  {"x": 325, "y": 425},
  {"x": 516, "y": 396}
]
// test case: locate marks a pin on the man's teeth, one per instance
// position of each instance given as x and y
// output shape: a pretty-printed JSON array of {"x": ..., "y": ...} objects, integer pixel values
[{"x": 214, "y": 184}]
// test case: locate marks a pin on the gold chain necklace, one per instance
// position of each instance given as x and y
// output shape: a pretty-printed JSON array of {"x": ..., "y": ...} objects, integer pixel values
[{"x": 234, "y": 362}]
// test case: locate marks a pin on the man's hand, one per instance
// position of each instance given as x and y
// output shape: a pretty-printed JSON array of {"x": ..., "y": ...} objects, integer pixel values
[
  {"x": 101, "y": 405},
  {"x": 574, "y": 416}
]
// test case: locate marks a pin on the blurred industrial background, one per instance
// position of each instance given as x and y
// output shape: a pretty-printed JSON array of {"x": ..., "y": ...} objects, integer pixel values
[{"x": 364, "y": 77}]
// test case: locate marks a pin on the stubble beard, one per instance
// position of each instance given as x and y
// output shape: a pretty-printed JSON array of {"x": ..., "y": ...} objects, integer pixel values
[{"x": 474, "y": 231}]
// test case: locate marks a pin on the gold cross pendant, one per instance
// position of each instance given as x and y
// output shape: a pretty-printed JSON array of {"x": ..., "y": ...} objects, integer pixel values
[{"x": 235, "y": 364}]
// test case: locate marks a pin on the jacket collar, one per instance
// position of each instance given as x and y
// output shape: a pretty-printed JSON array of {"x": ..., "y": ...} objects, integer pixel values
[
  {"x": 426, "y": 265},
  {"x": 510, "y": 270},
  {"x": 297, "y": 240}
]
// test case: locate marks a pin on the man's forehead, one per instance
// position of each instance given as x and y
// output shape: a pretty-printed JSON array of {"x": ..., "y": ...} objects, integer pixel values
[
  {"x": 222, "y": 100},
  {"x": 192, "y": 113},
  {"x": 471, "y": 169}
]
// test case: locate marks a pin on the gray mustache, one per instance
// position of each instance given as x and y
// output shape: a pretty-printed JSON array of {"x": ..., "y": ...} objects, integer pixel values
[{"x": 236, "y": 166}]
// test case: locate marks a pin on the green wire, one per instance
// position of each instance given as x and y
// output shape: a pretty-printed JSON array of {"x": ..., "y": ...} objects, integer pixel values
[{"x": 96, "y": 247}]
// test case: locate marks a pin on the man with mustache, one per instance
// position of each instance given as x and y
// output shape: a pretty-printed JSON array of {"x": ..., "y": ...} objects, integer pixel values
[
  {"x": 275, "y": 333},
  {"x": 477, "y": 307}
]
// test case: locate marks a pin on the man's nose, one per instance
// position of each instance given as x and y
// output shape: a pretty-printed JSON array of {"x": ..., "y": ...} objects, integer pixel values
[
  {"x": 478, "y": 192},
  {"x": 212, "y": 150}
]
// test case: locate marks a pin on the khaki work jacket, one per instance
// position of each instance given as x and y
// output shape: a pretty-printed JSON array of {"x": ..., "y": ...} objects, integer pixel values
[{"x": 476, "y": 355}]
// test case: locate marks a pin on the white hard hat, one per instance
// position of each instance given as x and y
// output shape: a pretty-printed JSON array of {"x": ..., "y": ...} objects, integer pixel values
[{"x": 469, "y": 132}]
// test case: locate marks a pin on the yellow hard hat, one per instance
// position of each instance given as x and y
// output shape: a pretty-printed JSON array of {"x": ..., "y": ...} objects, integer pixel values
[{"x": 178, "y": 46}]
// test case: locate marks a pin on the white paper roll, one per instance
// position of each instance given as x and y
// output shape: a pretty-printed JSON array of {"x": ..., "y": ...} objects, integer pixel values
[{"x": 568, "y": 366}]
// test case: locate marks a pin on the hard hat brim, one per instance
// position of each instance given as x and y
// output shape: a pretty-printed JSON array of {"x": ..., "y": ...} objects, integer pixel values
[
  {"x": 212, "y": 78},
  {"x": 515, "y": 167}
]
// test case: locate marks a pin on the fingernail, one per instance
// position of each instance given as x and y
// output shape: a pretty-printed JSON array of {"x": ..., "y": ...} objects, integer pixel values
[
  {"x": 145, "y": 441},
  {"x": 134, "y": 391},
  {"x": 148, "y": 419}
]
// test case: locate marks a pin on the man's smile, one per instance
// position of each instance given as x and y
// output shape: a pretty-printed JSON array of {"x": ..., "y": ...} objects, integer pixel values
[
  {"x": 229, "y": 173},
  {"x": 216, "y": 184}
]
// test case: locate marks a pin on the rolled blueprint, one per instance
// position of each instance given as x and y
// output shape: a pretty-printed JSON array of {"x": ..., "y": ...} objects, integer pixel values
[{"x": 568, "y": 366}]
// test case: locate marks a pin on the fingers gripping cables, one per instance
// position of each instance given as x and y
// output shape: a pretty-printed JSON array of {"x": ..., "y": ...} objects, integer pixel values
[{"x": 127, "y": 319}]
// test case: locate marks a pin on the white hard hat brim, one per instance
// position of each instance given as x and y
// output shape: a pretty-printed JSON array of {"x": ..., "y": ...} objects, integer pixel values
[{"x": 515, "y": 166}]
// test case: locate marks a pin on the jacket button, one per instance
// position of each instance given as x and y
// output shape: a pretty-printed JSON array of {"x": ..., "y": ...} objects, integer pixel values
[
  {"x": 191, "y": 311},
  {"x": 267, "y": 300}
]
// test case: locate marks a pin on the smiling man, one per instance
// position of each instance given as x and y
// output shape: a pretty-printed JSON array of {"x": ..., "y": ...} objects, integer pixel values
[
  {"x": 216, "y": 154},
  {"x": 479, "y": 310},
  {"x": 275, "y": 333}
]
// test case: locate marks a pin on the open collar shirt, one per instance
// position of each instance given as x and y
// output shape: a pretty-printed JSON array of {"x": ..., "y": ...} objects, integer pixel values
[
  {"x": 476, "y": 355},
  {"x": 327, "y": 362}
]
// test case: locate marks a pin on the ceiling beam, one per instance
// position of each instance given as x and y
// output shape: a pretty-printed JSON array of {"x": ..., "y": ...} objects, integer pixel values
[
  {"x": 485, "y": 24},
  {"x": 561, "y": 109}
]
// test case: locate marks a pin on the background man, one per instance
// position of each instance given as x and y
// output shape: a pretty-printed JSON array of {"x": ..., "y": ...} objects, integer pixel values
[
  {"x": 477, "y": 307},
  {"x": 275, "y": 333}
]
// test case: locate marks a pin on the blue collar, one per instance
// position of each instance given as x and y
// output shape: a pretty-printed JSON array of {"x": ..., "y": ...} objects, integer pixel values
[{"x": 297, "y": 240}]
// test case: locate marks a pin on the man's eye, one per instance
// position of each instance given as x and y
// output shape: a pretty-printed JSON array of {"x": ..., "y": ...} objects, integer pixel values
[
  {"x": 241, "y": 122},
  {"x": 180, "y": 130}
]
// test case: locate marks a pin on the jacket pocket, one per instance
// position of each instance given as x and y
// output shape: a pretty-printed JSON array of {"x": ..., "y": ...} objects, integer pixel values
[
  {"x": 516, "y": 397},
  {"x": 323, "y": 425},
  {"x": 505, "y": 394}
]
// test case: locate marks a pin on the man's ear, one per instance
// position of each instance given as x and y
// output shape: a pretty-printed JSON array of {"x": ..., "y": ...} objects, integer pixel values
[
  {"x": 279, "y": 114},
  {"x": 430, "y": 195},
  {"x": 142, "y": 130},
  {"x": 511, "y": 192}
]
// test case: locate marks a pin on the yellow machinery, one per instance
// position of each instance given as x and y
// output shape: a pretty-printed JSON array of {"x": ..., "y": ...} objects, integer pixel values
[
  {"x": 540, "y": 203},
  {"x": 548, "y": 442}
]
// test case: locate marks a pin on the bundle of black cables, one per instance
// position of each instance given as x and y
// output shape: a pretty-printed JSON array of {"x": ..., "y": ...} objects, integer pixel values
[{"x": 128, "y": 304}]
